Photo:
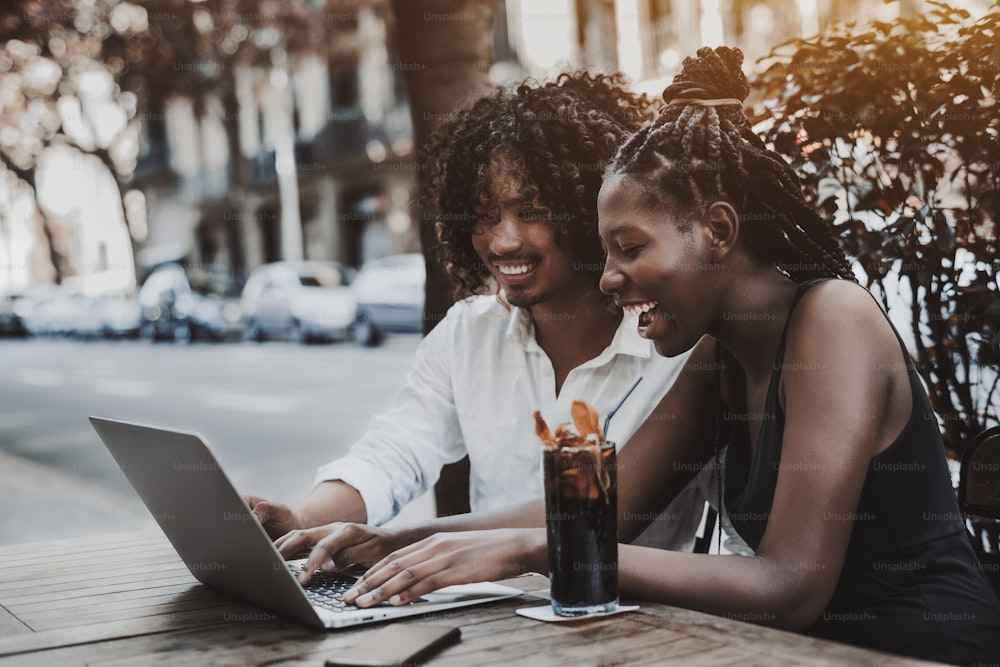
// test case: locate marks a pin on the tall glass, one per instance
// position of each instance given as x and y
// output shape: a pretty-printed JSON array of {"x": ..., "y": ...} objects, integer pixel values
[{"x": 581, "y": 519}]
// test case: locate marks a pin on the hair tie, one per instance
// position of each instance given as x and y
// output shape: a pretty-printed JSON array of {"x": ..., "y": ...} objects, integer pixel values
[{"x": 706, "y": 103}]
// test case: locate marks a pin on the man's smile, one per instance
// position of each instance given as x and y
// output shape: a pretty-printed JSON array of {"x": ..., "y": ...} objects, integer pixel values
[{"x": 515, "y": 269}]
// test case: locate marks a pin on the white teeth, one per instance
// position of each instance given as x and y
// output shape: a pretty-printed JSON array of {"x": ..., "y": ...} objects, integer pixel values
[
  {"x": 514, "y": 270},
  {"x": 636, "y": 309}
]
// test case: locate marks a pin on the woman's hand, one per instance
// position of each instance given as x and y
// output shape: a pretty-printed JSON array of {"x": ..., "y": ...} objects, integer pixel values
[
  {"x": 445, "y": 559},
  {"x": 338, "y": 545}
]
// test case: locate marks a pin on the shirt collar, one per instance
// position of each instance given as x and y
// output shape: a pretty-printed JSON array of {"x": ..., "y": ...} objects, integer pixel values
[
  {"x": 520, "y": 329},
  {"x": 626, "y": 340}
]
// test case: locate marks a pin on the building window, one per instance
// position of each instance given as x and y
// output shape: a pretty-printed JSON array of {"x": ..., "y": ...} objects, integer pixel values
[
  {"x": 344, "y": 89},
  {"x": 503, "y": 49},
  {"x": 154, "y": 150},
  {"x": 270, "y": 235},
  {"x": 662, "y": 39}
]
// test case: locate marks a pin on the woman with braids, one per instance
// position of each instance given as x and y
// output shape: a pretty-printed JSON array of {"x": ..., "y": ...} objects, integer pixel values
[{"x": 835, "y": 471}]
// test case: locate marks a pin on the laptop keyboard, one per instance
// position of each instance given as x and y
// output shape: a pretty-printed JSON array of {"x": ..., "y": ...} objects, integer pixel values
[{"x": 326, "y": 590}]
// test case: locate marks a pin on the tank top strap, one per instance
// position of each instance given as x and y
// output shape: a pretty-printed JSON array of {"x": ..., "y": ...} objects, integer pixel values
[{"x": 799, "y": 293}]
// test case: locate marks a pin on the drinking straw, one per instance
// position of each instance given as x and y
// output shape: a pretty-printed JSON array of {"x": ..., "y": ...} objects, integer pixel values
[{"x": 611, "y": 413}]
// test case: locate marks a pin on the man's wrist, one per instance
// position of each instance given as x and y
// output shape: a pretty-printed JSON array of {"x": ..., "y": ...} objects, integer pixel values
[{"x": 330, "y": 501}]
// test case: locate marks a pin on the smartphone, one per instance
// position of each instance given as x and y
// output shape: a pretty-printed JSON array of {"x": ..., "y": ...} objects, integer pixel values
[{"x": 398, "y": 644}]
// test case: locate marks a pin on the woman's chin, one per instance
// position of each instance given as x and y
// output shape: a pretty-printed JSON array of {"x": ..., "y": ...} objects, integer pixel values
[
  {"x": 666, "y": 348},
  {"x": 672, "y": 346}
]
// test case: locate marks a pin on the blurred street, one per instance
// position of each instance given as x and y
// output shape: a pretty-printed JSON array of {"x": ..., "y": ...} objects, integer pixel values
[{"x": 271, "y": 413}]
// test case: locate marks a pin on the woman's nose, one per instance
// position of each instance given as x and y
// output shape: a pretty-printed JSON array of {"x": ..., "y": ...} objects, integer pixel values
[{"x": 612, "y": 279}]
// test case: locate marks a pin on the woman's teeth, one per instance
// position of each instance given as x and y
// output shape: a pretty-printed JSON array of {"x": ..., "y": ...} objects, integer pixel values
[
  {"x": 514, "y": 270},
  {"x": 637, "y": 309}
]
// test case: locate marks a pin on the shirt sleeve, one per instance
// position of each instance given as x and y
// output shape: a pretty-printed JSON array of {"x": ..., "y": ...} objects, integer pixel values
[{"x": 401, "y": 454}]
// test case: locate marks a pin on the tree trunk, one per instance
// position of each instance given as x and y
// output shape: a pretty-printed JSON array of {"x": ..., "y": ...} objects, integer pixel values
[
  {"x": 55, "y": 256},
  {"x": 445, "y": 48},
  {"x": 104, "y": 155},
  {"x": 238, "y": 180}
]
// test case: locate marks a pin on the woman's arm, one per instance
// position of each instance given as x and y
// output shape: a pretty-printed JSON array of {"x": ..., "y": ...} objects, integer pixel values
[
  {"x": 841, "y": 403},
  {"x": 338, "y": 545}
]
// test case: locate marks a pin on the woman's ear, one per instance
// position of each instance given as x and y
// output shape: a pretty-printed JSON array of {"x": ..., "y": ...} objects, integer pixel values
[{"x": 723, "y": 223}]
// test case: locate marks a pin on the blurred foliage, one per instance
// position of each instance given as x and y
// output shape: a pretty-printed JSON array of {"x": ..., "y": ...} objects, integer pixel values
[
  {"x": 894, "y": 129},
  {"x": 54, "y": 87},
  {"x": 83, "y": 72}
]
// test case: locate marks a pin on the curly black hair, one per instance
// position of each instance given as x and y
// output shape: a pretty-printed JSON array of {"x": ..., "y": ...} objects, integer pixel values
[
  {"x": 558, "y": 137},
  {"x": 695, "y": 153}
]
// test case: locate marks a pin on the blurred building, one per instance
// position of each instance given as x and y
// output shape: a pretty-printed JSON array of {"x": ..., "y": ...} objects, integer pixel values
[
  {"x": 325, "y": 144},
  {"x": 648, "y": 39},
  {"x": 344, "y": 181}
]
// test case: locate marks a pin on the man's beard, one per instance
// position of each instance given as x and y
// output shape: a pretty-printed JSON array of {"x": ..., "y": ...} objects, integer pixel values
[{"x": 524, "y": 299}]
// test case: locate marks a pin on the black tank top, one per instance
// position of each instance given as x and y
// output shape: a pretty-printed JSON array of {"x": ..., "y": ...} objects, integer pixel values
[{"x": 911, "y": 583}]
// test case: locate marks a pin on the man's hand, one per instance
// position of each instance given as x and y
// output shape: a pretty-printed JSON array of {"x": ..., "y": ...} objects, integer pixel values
[
  {"x": 276, "y": 518},
  {"x": 338, "y": 545}
]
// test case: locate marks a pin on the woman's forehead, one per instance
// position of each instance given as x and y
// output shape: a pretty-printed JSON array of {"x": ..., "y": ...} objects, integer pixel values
[
  {"x": 618, "y": 192},
  {"x": 624, "y": 203}
]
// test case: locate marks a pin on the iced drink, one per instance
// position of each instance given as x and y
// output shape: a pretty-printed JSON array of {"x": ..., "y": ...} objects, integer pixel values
[{"x": 582, "y": 524}]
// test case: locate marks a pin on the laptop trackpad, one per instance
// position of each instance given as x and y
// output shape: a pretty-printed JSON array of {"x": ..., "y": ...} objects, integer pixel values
[{"x": 465, "y": 592}]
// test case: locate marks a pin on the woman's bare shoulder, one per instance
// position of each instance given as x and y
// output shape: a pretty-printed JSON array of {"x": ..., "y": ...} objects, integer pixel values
[
  {"x": 840, "y": 308},
  {"x": 848, "y": 354}
]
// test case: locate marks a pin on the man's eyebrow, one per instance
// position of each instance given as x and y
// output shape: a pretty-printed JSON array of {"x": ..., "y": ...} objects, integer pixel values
[{"x": 516, "y": 201}]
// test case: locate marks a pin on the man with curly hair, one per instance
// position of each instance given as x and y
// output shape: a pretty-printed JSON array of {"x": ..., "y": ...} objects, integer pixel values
[{"x": 513, "y": 191}]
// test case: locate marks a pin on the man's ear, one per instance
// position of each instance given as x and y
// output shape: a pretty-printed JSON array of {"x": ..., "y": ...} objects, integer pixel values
[{"x": 723, "y": 223}]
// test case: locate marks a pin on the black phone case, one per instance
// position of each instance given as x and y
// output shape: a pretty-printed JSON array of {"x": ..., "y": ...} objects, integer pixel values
[{"x": 371, "y": 651}]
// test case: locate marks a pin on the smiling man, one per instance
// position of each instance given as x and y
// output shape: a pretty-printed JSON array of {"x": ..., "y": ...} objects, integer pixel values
[{"x": 514, "y": 193}]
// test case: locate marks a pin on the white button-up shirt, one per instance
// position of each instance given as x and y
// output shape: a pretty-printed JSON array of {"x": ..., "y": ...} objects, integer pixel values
[{"x": 477, "y": 379}]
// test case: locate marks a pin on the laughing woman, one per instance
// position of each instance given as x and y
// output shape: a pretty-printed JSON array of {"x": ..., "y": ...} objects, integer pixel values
[{"x": 835, "y": 471}]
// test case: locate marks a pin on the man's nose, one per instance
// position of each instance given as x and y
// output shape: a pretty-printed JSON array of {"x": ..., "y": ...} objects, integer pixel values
[{"x": 505, "y": 236}]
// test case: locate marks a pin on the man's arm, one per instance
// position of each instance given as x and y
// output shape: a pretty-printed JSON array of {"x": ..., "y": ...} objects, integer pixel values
[
  {"x": 398, "y": 458},
  {"x": 328, "y": 502}
]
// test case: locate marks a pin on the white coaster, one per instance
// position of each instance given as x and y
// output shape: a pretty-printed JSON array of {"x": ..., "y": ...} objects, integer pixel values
[{"x": 546, "y": 614}]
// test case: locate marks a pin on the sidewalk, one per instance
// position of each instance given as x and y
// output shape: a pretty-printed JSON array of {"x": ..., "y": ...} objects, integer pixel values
[{"x": 41, "y": 503}]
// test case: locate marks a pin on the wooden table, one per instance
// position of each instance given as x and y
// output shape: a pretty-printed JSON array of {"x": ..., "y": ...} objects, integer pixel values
[{"x": 127, "y": 599}]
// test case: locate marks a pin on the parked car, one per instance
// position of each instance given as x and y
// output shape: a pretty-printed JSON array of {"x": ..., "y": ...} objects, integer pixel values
[
  {"x": 307, "y": 300},
  {"x": 47, "y": 310},
  {"x": 390, "y": 296},
  {"x": 211, "y": 316},
  {"x": 158, "y": 298},
  {"x": 11, "y": 323},
  {"x": 85, "y": 320},
  {"x": 172, "y": 309},
  {"x": 121, "y": 315}
]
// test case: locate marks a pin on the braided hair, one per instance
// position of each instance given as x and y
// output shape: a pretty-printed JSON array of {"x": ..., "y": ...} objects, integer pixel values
[
  {"x": 696, "y": 153},
  {"x": 556, "y": 137}
]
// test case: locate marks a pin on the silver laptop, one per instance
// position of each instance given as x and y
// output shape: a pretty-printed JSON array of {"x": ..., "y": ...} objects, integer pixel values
[{"x": 225, "y": 547}]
